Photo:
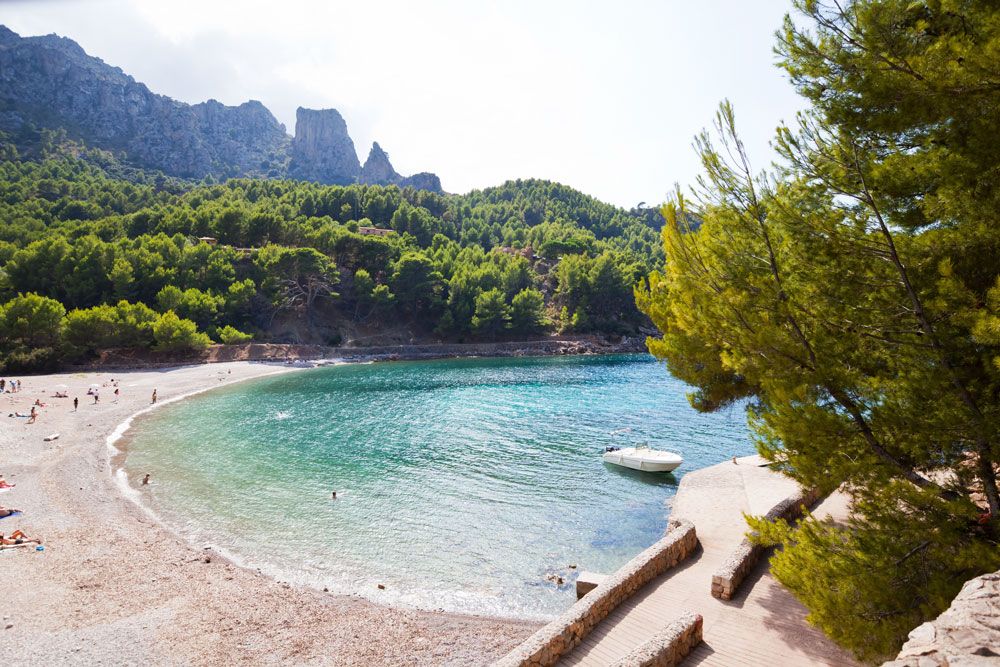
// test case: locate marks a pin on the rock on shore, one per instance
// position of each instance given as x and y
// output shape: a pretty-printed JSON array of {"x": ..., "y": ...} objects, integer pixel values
[{"x": 965, "y": 634}]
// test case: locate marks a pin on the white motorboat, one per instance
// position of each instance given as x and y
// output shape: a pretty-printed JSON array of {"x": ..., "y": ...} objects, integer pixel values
[{"x": 641, "y": 457}]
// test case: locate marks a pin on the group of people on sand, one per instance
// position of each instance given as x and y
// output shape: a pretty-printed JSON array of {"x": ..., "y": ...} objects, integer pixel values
[
  {"x": 15, "y": 386},
  {"x": 18, "y": 538}
]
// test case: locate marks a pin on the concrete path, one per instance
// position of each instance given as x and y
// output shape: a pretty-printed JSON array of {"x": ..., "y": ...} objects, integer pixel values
[{"x": 762, "y": 625}]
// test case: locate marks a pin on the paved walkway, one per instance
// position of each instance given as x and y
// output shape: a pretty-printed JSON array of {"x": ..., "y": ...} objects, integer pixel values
[{"x": 762, "y": 625}]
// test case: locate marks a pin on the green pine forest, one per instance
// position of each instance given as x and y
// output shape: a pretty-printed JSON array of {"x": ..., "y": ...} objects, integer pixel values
[
  {"x": 97, "y": 255},
  {"x": 851, "y": 297},
  {"x": 848, "y": 295}
]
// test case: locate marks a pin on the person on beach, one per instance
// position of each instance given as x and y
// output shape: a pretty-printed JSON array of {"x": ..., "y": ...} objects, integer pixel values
[
  {"x": 33, "y": 416},
  {"x": 4, "y": 484},
  {"x": 145, "y": 480},
  {"x": 3, "y": 384},
  {"x": 8, "y": 511},
  {"x": 17, "y": 537},
  {"x": 116, "y": 395},
  {"x": 154, "y": 396},
  {"x": 97, "y": 397},
  {"x": 76, "y": 403}
]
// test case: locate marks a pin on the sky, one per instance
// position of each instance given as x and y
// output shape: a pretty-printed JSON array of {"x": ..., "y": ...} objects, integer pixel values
[{"x": 603, "y": 96}]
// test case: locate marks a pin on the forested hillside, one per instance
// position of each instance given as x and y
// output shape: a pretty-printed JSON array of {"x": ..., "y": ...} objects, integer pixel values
[{"x": 97, "y": 255}]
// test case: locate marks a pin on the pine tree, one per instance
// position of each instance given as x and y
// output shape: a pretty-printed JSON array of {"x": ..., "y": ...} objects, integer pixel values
[{"x": 850, "y": 299}]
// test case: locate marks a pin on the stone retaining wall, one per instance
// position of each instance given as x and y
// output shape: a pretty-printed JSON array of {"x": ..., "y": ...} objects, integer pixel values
[
  {"x": 546, "y": 646},
  {"x": 735, "y": 569},
  {"x": 668, "y": 646}
]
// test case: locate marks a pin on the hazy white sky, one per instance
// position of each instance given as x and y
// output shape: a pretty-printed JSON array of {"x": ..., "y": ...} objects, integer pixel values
[{"x": 602, "y": 96}]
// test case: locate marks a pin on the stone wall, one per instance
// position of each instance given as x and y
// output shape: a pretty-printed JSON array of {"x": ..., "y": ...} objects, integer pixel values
[
  {"x": 668, "y": 646},
  {"x": 546, "y": 646},
  {"x": 966, "y": 634},
  {"x": 735, "y": 569}
]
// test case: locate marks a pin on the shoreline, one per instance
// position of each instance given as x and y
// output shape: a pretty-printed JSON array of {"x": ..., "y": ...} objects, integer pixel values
[
  {"x": 289, "y": 353},
  {"x": 119, "y": 442},
  {"x": 115, "y": 583},
  {"x": 118, "y": 454}
]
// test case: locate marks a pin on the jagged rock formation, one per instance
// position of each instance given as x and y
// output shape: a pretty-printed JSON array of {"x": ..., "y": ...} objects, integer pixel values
[
  {"x": 322, "y": 150},
  {"x": 50, "y": 82},
  {"x": 378, "y": 170},
  {"x": 246, "y": 139}
]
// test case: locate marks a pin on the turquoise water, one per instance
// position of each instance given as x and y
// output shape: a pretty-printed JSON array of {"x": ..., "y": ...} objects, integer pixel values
[{"x": 464, "y": 485}]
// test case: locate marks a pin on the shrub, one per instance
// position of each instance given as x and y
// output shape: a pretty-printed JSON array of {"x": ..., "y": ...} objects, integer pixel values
[
  {"x": 232, "y": 336},
  {"x": 173, "y": 334}
]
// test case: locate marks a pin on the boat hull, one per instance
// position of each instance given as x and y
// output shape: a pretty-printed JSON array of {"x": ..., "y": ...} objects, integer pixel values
[{"x": 648, "y": 461}]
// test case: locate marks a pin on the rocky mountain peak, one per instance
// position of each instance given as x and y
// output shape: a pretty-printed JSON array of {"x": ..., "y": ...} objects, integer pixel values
[
  {"x": 378, "y": 170},
  {"x": 322, "y": 150},
  {"x": 51, "y": 82}
]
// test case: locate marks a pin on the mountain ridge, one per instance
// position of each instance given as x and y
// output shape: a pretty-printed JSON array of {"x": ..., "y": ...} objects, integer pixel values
[{"x": 50, "y": 82}]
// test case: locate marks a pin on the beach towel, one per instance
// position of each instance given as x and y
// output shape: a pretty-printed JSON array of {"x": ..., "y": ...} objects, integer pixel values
[{"x": 10, "y": 515}]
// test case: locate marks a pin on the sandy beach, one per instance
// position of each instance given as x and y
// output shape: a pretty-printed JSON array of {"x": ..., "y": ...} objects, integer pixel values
[{"x": 114, "y": 586}]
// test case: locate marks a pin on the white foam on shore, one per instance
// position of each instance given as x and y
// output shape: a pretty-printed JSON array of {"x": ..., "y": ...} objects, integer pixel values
[
  {"x": 481, "y": 603},
  {"x": 486, "y": 602},
  {"x": 121, "y": 477}
]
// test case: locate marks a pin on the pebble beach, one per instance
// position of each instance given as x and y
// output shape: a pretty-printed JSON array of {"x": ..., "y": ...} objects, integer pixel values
[{"x": 115, "y": 586}]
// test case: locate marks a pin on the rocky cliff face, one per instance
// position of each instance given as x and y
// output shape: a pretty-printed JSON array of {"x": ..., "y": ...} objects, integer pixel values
[
  {"x": 378, "y": 170},
  {"x": 425, "y": 180},
  {"x": 246, "y": 139},
  {"x": 967, "y": 633},
  {"x": 322, "y": 150},
  {"x": 50, "y": 82}
]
